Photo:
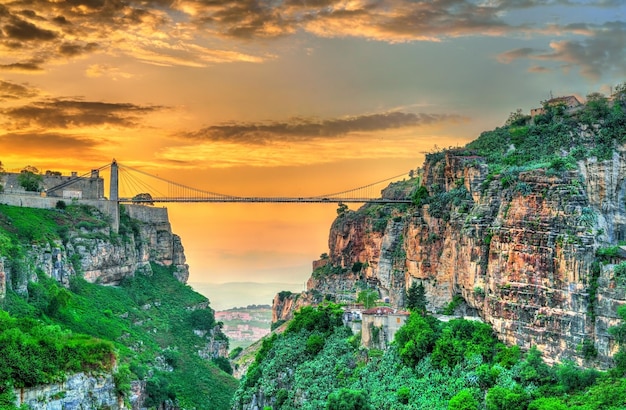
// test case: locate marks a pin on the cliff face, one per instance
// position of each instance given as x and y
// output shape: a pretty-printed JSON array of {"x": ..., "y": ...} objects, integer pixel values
[
  {"x": 93, "y": 250},
  {"x": 79, "y": 391},
  {"x": 519, "y": 247},
  {"x": 102, "y": 256}
]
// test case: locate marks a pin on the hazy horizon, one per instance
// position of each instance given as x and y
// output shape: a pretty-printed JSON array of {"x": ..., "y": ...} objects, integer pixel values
[{"x": 228, "y": 295}]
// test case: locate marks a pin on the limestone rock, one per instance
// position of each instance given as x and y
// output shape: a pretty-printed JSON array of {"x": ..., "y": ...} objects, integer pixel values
[{"x": 519, "y": 248}]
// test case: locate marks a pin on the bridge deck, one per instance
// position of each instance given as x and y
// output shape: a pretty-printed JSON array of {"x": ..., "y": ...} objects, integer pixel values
[{"x": 268, "y": 200}]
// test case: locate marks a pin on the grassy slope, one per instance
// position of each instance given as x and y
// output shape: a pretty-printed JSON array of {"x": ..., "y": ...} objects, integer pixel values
[{"x": 144, "y": 318}]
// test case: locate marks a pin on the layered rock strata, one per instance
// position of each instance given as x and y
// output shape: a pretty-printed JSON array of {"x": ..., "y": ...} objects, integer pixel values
[{"x": 519, "y": 247}]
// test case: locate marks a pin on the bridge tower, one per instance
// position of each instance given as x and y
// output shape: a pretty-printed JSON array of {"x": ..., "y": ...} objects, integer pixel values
[{"x": 114, "y": 195}]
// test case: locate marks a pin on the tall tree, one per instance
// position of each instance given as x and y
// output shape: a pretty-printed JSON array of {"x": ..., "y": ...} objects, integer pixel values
[
  {"x": 416, "y": 298},
  {"x": 30, "y": 179}
]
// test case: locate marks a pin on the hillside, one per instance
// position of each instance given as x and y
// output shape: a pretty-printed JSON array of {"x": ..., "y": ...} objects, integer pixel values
[
  {"x": 520, "y": 229},
  {"x": 145, "y": 340}
]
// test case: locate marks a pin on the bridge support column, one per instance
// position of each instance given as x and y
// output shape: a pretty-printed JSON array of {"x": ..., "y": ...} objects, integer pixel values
[{"x": 114, "y": 195}]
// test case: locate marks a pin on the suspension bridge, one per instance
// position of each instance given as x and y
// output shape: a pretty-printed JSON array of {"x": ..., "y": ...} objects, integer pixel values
[{"x": 132, "y": 185}]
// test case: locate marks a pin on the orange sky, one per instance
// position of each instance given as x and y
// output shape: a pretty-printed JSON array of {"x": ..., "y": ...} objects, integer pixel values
[{"x": 290, "y": 97}]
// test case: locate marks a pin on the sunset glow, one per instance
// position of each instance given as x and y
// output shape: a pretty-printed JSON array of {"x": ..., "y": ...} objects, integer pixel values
[{"x": 290, "y": 97}]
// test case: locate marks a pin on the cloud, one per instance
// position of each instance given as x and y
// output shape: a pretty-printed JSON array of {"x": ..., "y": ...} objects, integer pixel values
[
  {"x": 74, "y": 49},
  {"x": 389, "y": 144},
  {"x": 71, "y": 113},
  {"x": 100, "y": 70},
  {"x": 515, "y": 54},
  {"x": 17, "y": 29},
  {"x": 199, "y": 33},
  {"x": 14, "y": 91},
  {"x": 26, "y": 66},
  {"x": 602, "y": 51},
  {"x": 45, "y": 144},
  {"x": 538, "y": 69},
  {"x": 303, "y": 129}
]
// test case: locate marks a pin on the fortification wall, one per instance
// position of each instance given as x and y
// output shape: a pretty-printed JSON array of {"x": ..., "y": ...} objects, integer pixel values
[
  {"x": 35, "y": 200},
  {"x": 88, "y": 188},
  {"x": 147, "y": 213}
]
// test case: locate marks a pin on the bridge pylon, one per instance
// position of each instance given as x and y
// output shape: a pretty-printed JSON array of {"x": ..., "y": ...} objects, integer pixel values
[{"x": 114, "y": 192}]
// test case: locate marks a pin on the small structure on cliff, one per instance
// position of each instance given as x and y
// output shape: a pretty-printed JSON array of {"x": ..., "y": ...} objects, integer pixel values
[
  {"x": 379, "y": 326},
  {"x": 57, "y": 185},
  {"x": 570, "y": 103}
]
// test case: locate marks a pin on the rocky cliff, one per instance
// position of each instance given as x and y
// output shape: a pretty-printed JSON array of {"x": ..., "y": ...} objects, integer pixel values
[
  {"x": 519, "y": 246},
  {"x": 153, "y": 317},
  {"x": 99, "y": 254}
]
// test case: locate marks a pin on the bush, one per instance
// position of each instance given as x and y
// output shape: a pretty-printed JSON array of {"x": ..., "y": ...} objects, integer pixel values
[
  {"x": 499, "y": 398},
  {"x": 314, "y": 344},
  {"x": 463, "y": 400},
  {"x": 223, "y": 364},
  {"x": 547, "y": 403},
  {"x": 572, "y": 378},
  {"x": 417, "y": 338},
  {"x": 346, "y": 399},
  {"x": 202, "y": 319}
]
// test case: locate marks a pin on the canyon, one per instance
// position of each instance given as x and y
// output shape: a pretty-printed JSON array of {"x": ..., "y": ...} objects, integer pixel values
[{"x": 520, "y": 249}]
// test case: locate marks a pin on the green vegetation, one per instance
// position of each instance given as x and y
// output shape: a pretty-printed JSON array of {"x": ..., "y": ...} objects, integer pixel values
[
  {"x": 30, "y": 179},
  {"x": 146, "y": 325},
  {"x": 416, "y": 298},
  {"x": 431, "y": 365},
  {"x": 368, "y": 298},
  {"x": 540, "y": 143}
]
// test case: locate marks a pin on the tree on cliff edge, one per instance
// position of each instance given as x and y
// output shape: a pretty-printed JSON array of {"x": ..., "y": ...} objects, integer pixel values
[{"x": 30, "y": 179}]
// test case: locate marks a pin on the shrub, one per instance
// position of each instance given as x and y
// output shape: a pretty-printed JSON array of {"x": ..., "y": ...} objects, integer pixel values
[
  {"x": 572, "y": 378},
  {"x": 417, "y": 338},
  {"x": 463, "y": 400},
  {"x": 223, "y": 364},
  {"x": 202, "y": 319},
  {"x": 347, "y": 399},
  {"x": 547, "y": 403},
  {"x": 499, "y": 398},
  {"x": 403, "y": 394},
  {"x": 314, "y": 344}
]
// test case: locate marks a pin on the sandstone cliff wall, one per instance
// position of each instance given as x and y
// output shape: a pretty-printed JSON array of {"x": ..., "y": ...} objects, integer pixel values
[{"x": 519, "y": 247}]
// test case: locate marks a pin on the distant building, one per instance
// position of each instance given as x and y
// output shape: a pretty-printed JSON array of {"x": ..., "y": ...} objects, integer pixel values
[
  {"x": 570, "y": 102},
  {"x": 379, "y": 326},
  {"x": 69, "y": 186}
]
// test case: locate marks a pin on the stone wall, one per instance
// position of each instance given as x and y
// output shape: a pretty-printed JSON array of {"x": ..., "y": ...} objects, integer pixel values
[
  {"x": 91, "y": 187},
  {"x": 36, "y": 200}
]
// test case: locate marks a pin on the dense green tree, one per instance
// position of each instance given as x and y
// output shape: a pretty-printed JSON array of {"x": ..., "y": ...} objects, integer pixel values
[
  {"x": 202, "y": 319},
  {"x": 416, "y": 298},
  {"x": 501, "y": 398},
  {"x": 323, "y": 319},
  {"x": 464, "y": 400},
  {"x": 547, "y": 403},
  {"x": 463, "y": 338},
  {"x": 346, "y": 399},
  {"x": 417, "y": 338},
  {"x": 30, "y": 179},
  {"x": 223, "y": 363},
  {"x": 534, "y": 370}
]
